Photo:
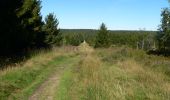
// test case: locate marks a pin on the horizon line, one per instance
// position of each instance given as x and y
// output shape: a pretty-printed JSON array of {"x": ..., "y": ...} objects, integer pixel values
[{"x": 108, "y": 29}]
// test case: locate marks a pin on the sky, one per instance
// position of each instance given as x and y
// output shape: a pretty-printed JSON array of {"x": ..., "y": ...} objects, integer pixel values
[{"x": 116, "y": 14}]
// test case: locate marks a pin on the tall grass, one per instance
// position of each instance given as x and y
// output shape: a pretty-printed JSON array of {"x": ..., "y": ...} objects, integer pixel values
[{"x": 118, "y": 73}]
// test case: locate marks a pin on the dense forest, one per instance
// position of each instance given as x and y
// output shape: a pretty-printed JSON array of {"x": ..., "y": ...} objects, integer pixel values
[
  {"x": 22, "y": 27},
  {"x": 116, "y": 37}
]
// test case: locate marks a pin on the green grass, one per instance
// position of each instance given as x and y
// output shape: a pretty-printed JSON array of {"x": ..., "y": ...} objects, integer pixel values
[{"x": 65, "y": 84}]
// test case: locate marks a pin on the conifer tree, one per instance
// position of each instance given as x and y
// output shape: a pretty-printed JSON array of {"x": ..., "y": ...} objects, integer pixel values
[
  {"x": 21, "y": 25},
  {"x": 31, "y": 22},
  {"x": 102, "y": 39},
  {"x": 53, "y": 35}
]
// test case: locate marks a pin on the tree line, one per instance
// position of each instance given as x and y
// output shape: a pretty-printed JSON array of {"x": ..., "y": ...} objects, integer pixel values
[{"x": 133, "y": 39}]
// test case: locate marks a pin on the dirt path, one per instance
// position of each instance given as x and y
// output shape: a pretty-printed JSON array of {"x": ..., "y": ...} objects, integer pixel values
[{"x": 47, "y": 90}]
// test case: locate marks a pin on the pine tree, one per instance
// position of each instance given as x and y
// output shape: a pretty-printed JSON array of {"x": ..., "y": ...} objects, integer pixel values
[
  {"x": 102, "y": 39},
  {"x": 53, "y": 35}
]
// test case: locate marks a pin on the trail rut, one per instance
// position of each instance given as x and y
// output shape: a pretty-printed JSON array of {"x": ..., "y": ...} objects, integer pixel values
[{"x": 46, "y": 91}]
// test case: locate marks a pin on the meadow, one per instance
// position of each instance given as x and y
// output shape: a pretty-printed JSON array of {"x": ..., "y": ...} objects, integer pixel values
[
  {"x": 118, "y": 73},
  {"x": 115, "y": 73},
  {"x": 41, "y": 61}
]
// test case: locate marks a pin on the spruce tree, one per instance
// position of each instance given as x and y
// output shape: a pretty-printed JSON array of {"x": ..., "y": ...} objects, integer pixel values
[
  {"x": 53, "y": 35},
  {"x": 21, "y": 25},
  {"x": 31, "y": 22},
  {"x": 102, "y": 39}
]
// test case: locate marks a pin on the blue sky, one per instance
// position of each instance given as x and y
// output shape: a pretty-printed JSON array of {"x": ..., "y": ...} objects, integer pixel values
[{"x": 116, "y": 14}]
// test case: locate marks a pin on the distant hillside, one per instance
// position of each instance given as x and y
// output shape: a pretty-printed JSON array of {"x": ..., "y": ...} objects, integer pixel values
[{"x": 116, "y": 37}]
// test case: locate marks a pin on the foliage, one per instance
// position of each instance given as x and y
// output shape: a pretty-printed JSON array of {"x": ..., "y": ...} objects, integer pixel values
[
  {"x": 77, "y": 36},
  {"x": 129, "y": 38},
  {"x": 31, "y": 22},
  {"x": 20, "y": 25},
  {"x": 164, "y": 30},
  {"x": 136, "y": 39},
  {"x": 102, "y": 38},
  {"x": 10, "y": 35},
  {"x": 53, "y": 34}
]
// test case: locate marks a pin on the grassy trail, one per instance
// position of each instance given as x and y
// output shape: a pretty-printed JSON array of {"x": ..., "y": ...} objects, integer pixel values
[
  {"x": 46, "y": 90},
  {"x": 118, "y": 73},
  {"x": 21, "y": 81}
]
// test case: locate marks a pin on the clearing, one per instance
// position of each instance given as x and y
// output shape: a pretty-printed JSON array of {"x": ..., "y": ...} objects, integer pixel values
[{"x": 84, "y": 73}]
